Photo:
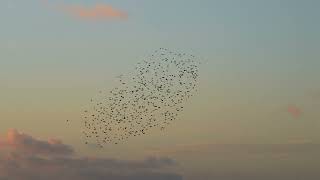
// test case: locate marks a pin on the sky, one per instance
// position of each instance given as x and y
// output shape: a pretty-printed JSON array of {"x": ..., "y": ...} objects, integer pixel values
[{"x": 255, "y": 114}]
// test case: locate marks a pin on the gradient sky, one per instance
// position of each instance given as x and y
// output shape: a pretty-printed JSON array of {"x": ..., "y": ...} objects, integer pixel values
[{"x": 260, "y": 85}]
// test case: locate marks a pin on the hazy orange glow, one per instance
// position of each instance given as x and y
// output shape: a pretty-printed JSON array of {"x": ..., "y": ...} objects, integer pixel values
[{"x": 98, "y": 11}]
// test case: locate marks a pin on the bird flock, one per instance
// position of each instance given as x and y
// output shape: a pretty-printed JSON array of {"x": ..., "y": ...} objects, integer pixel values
[{"x": 151, "y": 97}]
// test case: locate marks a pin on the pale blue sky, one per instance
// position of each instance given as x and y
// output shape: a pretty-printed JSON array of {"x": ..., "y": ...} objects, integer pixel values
[
  {"x": 279, "y": 36},
  {"x": 263, "y": 55},
  {"x": 266, "y": 50}
]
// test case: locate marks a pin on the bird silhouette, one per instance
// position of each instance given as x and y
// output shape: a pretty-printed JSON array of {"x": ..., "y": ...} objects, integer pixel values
[{"x": 151, "y": 97}]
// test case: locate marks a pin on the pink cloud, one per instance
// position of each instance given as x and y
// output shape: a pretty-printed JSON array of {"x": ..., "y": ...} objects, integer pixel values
[
  {"x": 42, "y": 162},
  {"x": 294, "y": 111},
  {"x": 27, "y": 144},
  {"x": 99, "y": 11}
]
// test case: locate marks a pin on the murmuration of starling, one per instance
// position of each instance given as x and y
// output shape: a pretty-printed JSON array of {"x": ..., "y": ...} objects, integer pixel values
[{"x": 149, "y": 98}]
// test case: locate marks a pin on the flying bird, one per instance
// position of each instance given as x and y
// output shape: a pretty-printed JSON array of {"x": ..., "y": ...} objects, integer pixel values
[{"x": 151, "y": 97}]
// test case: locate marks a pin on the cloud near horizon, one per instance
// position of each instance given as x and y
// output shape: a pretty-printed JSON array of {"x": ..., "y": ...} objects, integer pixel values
[
  {"x": 24, "y": 143},
  {"x": 292, "y": 148},
  {"x": 25, "y": 157},
  {"x": 297, "y": 159}
]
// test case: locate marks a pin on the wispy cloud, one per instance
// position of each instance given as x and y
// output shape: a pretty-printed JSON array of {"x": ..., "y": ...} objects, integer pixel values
[
  {"x": 42, "y": 163},
  {"x": 95, "y": 12},
  {"x": 292, "y": 147},
  {"x": 294, "y": 111},
  {"x": 296, "y": 159},
  {"x": 99, "y": 11}
]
